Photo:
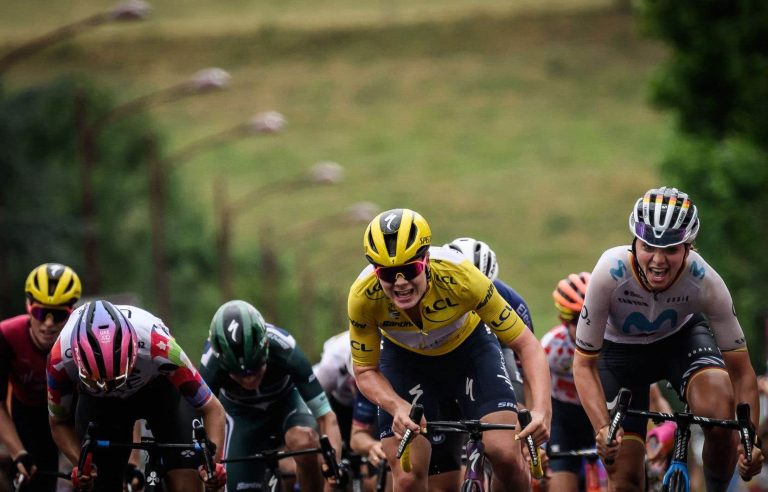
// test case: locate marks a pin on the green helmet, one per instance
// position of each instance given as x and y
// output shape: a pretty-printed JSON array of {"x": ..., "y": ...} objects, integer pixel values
[{"x": 239, "y": 337}]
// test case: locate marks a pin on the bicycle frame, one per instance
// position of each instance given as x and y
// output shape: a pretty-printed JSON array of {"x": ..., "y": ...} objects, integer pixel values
[
  {"x": 474, "y": 475},
  {"x": 676, "y": 477},
  {"x": 153, "y": 475}
]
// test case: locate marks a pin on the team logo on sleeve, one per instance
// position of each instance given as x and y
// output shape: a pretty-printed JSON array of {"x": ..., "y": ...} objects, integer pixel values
[
  {"x": 697, "y": 271},
  {"x": 619, "y": 271}
]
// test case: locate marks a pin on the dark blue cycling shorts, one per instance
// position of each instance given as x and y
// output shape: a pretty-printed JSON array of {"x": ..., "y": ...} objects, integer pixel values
[
  {"x": 473, "y": 375},
  {"x": 675, "y": 359},
  {"x": 570, "y": 431}
]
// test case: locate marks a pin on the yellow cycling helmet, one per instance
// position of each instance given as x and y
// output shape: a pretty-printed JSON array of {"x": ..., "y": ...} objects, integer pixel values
[
  {"x": 396, "y": 237},
  {"x": 53, "y": 284}
]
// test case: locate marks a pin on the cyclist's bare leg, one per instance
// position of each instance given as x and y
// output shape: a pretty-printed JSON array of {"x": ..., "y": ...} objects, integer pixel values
[
  {"x": 627, "y": 474},
  {"x": 416, "y": 480},
  {"x": 710, "y": 394},
  {"x": 183, "y": 479},
  {"x": 308, "y": 471},
  {"x": 510, "y": 470},
  {"x": 445, "y": 482},
  {"x": 563, "y": 480}
]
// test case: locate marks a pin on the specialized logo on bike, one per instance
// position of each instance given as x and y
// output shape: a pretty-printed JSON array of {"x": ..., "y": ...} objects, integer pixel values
[
  {"x": 637, "y": 322},
  {"x": 433, "y": 314},
  {"x": 619, "y": 271}
]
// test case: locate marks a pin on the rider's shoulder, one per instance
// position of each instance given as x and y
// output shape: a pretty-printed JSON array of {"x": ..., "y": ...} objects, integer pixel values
[
  {"x": 280, "y": 338},
  {"x": 17, "y": 324}
]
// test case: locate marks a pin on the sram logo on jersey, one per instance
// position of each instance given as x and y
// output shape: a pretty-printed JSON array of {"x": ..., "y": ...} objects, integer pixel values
[{"x": 356, "y": 324}]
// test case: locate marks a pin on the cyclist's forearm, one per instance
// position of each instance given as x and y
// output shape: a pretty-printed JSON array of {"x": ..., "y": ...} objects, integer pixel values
[
  {"x": 213, "y": 420},
  {"x": 372, "y": 383},
  {"x": 8, "y": 435},
  {"x": 744, "y": 381},
  {"x": 329, "y": 426},
  {"x": 536, "y": 370},
  {"x": 361, "y": 441},
  {"x": 590, "y": 390},
  {"x": 63, "y": 433}
]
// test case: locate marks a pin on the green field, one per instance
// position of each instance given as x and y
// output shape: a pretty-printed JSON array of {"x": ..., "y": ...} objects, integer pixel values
[{"x": 527, "y": 129}]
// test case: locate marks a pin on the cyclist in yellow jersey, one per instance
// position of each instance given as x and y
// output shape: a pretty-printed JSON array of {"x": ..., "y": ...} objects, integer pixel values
[{"x": 424, "y": 324}]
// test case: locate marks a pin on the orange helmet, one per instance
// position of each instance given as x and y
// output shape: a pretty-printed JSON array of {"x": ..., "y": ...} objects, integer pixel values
[{"x": 569, "y": 295}]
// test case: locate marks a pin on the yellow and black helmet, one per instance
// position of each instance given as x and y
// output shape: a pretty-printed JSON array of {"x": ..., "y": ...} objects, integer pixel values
[
  {"x": 53, "y": 284},
  {"x": 396, "y": 237}
]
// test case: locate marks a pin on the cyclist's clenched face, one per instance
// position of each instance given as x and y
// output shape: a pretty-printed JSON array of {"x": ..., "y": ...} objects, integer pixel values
[
  {"x": 660, "y": 265},
  {"x": 405, "y": 293}
]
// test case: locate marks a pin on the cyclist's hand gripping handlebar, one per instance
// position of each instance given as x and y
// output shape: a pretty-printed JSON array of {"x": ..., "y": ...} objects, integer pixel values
[
  {"x": 617, "y": 417},
  {"x": 207, "y": 447},
  {"x": 84, "y": 463},
  {"x": 404, "y": 448},
  {"x": 746, "y": 430},
  {"x": 524, "y": 416},
  {"x": 329, "y": 457}
]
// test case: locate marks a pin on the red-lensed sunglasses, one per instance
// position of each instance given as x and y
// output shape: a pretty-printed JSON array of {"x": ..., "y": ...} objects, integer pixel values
[
  {"x": 409, "y": 271},
  {"x": 40, "y": 313}
]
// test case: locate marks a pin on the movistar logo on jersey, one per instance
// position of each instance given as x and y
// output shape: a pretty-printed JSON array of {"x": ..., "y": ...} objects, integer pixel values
[
  {"x": 619, "y": 271},
  {"x": 697, "y": 271},
  {"x": 637, "y": 322}
]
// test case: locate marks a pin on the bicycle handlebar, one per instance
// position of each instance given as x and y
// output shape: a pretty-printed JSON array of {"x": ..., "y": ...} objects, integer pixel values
[
  {"x": 746, "y": 430},
  {"x": 329, "y": 456},
  {"x": 524, "y": 416},
  {"x": 417, "y": 412},
  {"x": 617, "y": 418},
  {"x": 590, "y": 453},
  {"x": 200, "y": 438}
]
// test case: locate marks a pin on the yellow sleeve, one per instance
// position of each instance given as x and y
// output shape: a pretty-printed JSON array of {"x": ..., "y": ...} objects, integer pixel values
[
  {"x": 364, "y": 334},
  {"x": 493, "y": 309}
]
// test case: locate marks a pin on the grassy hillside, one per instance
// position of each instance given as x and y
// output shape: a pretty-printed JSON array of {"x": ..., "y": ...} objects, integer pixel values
[{"x": 529, "y": 131}]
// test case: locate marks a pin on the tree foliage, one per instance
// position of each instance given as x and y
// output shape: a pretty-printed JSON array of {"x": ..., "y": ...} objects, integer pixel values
[
  {"x": 715, "y": 83},
  {"x": 41, "y": 202}
]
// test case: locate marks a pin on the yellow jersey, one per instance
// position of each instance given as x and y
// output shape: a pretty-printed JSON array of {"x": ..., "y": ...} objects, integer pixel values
[{"x": 458, "y": 297}]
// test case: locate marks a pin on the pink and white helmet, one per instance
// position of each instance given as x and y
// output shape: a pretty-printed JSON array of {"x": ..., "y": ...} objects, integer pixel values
[{"x": 104, "y": 346}]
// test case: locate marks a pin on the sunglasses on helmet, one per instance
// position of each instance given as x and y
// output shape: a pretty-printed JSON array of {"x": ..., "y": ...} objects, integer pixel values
[
  {"x": 409, "y": 271},
  {"x": 657, "y": 238},
  {"x": 41, "y": 313}
]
